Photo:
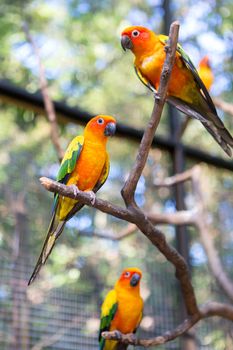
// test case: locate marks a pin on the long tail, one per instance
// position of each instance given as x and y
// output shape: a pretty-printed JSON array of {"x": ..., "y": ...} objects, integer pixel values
[
  {"x": 55, "y": 229},
  {"x": 219, "y": 133},
  {"x": 209, "y": 119}
]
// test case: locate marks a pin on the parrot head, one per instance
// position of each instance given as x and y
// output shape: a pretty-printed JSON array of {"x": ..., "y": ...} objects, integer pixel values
[
  {"x": 101, "y": 126},
  {"x": 137, "y": 39},
  {"x": 130, "y": 278},
  {"x": 205, "y": 62}
]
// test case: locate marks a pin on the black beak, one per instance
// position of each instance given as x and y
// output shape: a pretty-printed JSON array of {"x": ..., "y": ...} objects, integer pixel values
[
  {"x": 126, "y": 43},
  {"x": 135, "y": 279},
  {"x": 110, "y": 129}
]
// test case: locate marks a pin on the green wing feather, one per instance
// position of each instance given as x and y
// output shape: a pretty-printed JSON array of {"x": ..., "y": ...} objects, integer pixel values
[
  {"x": 68, "y": 162},
  {"x": 108, "y": 312},
  {"x": 70, "y": 158}
]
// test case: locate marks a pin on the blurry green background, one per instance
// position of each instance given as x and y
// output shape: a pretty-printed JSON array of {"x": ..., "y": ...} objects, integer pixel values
[{"x": 86, "y": 67}]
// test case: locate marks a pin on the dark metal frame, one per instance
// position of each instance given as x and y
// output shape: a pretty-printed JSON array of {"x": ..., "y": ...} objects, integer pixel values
[{"x": 20, "y": 97}]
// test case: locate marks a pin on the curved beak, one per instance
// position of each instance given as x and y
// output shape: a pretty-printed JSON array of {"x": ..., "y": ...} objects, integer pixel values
[
  {"x": 110, "y": 129},
  {"x": 126, "y": 43},
  {"x": 135, "y": 279}
]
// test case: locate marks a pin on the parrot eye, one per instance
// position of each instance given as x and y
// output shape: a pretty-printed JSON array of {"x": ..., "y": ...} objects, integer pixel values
[
  {"x": 127, "y": 274},
  {"x": 100, "y": 121},
  {"x": 135, "y": 33}
]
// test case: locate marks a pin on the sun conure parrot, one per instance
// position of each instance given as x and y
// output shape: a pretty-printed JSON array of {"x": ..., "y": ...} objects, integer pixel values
[
  {"x": 205, "y": 72},
  {"x": 122, "y": 308},
  {"x": 84, "y": 166},
  {"x": 186, "y": 90}
]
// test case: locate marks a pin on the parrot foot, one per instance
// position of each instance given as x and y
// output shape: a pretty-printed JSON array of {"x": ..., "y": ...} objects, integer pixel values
[
  {"x": 132, "y": 337},
  {"x": 75, "y": 189},
  {"x": 93, "y": 196},
  {"x": 157, "y": 97},
  {"x": 117, "y": 334}
]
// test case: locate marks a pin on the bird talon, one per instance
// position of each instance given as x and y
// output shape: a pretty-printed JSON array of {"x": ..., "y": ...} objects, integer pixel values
[
  {"x": 75, "y": 189},
  {"x": 132, "y": 337},
  {"x": 117, "y": 334},
  {"x": 93, "y": 197},
  {"x": 157, "y": 97}
]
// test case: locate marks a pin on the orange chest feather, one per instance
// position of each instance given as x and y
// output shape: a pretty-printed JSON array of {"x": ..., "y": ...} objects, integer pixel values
[
  {"x": 89, "y": 166},
  {"x": 129, "y": 312}
]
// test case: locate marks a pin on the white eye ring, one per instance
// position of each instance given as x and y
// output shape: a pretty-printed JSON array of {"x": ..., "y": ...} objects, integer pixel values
[
  {"x": 127, "y": 274},
  {"x": 135, "y": 33},
  {"x": 100, "y": 121}
]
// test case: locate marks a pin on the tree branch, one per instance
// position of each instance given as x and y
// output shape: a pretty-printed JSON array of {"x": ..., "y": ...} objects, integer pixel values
[
  {"x": 201, "y": 222},
  {"x": 86, "y": 198},
  {"x": 181, "y": 217},
  {"x": 175, "y": 179},
  {"x": 125, "y": 232},
  {"x": 48, "y": 103},
  {"x": 198, "y": 217},
  {"x": 131, "y": 183}
]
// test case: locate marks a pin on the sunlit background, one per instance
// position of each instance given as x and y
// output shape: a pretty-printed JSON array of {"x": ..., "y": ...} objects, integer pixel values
[{"x": 86, "y": 68}]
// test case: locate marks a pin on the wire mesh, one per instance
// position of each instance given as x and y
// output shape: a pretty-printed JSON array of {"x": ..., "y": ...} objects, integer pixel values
[{"x": 59, "y": 318}]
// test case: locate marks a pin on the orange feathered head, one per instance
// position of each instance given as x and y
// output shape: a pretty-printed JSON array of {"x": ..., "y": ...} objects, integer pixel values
[
  {"x": 101, "y": 126},
  {"x": 137, "y": 39},
  {"x": 130, "y": 278},
  {"x": 205, "y": 62}
]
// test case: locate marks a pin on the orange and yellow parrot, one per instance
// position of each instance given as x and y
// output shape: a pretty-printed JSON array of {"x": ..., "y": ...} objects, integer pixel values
[
  {"x": 205, "y": 72},
  {"x": 84, "y": 166},
  {"x": 186, "y": 90},
  {"x": 122, "y": 308}
]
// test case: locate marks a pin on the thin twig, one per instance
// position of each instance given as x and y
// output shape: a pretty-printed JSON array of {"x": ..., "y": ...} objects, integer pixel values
[
  {"x": 181, "y": 217},
  {"x": 175, "y": 179},
  {"x": 49, "y": 107},
  {"x": 125, "y": 232},
  {"x": 198, "y": 217},
  {"x": 206, "y": 238}
]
